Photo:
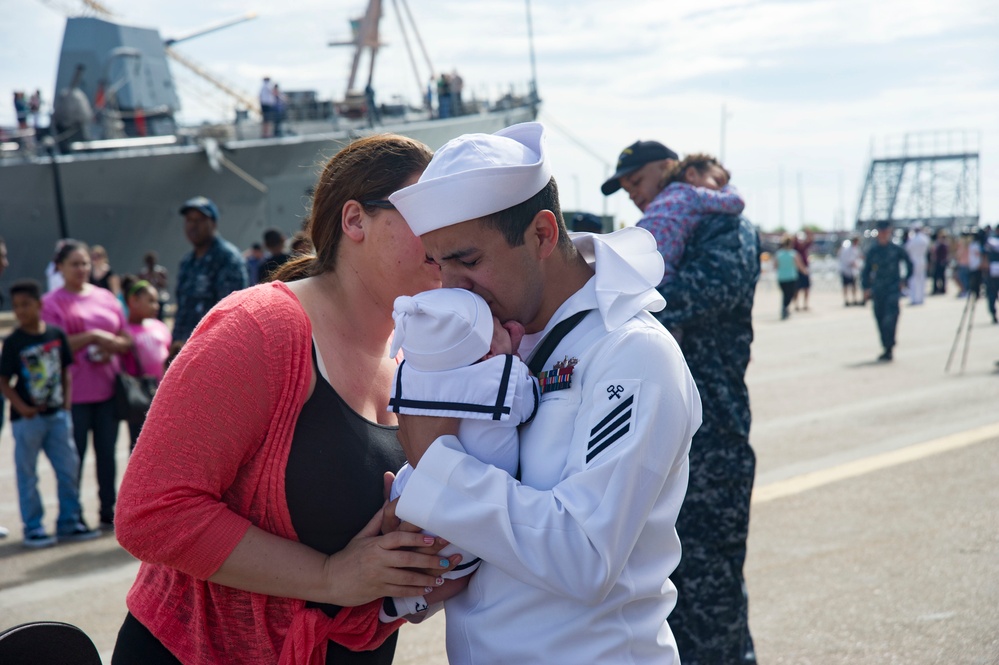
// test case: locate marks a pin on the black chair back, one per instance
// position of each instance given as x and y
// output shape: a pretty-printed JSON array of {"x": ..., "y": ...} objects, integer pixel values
[{"x": 47, "y": 643}]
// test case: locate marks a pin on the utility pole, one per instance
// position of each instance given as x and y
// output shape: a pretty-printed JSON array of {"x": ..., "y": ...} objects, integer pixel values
[
  {"x": 780, "y": 198},
  {"x": 801, "y": 203},
  {"x": 721, "y": 148}
]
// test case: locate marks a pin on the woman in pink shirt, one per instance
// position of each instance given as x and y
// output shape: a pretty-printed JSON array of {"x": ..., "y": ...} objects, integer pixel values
[
  {"x": 254, "y": 496},
  {"x": 95, "y": 325},
  {"x": 150, "y": 337}
]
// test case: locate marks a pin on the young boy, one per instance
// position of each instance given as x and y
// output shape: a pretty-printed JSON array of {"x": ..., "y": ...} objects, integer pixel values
[
  {"x": 35, "y": 357},
  {"x": 459, "y": 361}
]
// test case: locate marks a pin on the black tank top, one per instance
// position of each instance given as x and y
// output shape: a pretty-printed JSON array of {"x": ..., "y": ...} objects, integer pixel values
[{"x": 334, "y": 486}]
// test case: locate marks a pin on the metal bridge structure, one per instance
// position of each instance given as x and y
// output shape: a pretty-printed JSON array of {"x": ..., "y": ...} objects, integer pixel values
[{"x": 930, "y": 178}]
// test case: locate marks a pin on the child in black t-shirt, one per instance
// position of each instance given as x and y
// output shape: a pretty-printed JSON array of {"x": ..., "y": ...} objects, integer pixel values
[{"x": 35, "y": 358}]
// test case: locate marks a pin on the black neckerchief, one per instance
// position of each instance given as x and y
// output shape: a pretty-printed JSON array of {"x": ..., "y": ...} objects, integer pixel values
[{"x": 557, "y": 334}]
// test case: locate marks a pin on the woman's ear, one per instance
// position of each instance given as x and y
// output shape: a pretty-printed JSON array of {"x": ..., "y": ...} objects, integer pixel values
[{"x": 352, "y": 220}]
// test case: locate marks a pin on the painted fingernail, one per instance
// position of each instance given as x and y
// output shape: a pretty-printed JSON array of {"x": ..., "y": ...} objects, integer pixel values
[
  {"x": 445, "y": 563},
  {"x": 439, "y": 581},
  {"x": 427, "y": 589},
  {"x": 428, "y": 540}
]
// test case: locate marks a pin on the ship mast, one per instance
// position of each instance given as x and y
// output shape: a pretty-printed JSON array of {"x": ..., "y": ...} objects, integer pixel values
[{"x": 365, "y": 31}]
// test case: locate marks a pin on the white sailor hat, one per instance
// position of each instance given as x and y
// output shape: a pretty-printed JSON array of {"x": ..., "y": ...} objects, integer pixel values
[
  {"x": 476, "y": 175},
  {"x": 441, "y": 329}
]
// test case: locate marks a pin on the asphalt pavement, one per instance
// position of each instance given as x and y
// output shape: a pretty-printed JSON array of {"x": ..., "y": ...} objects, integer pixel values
[{"x": 874, "y": 535}]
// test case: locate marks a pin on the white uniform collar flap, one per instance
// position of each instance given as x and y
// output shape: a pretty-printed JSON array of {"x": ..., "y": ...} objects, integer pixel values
[{"x": 628, "y": 267}]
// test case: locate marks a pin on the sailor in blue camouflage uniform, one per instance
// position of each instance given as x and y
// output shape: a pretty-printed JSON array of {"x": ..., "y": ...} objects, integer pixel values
[
  {"x": 213, "y": 269},
  {"x": 711, "y": 301},
  {"x": 882, "y": 283}
]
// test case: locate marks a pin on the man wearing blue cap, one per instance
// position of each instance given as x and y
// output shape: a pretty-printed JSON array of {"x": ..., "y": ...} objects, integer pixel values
[
  {"x": 213, "y": 269},
  {"x": 577, "y": 549}
]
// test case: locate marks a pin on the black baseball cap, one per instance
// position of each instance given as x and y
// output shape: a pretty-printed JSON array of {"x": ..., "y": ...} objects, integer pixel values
[{"x": 634, "y": 157}]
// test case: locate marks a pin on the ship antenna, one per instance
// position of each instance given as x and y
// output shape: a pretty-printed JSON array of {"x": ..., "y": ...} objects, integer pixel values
[{"x": 534, "y": 69}]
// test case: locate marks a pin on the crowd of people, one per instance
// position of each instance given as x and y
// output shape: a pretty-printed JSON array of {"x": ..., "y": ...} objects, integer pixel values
[
  {"x": 543, "y": 411},
  {"x": 76, "y": 334},
  {"x": 898, "y": 264}
]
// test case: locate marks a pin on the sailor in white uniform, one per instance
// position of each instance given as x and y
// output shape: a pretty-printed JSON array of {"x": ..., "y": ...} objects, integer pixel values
[
  {"x": 459, "y": 362},
  {"x": 577, "y": 550}
]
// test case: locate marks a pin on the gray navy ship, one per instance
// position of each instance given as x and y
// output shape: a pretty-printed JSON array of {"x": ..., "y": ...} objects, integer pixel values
[{"x": 114, "y": 166}]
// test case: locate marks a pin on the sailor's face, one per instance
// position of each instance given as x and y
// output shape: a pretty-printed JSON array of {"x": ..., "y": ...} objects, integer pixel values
[
  {"x": 477, "y": 257},
  {"x": 198, "y": 227},
  {"x": 643, "y": 185}
]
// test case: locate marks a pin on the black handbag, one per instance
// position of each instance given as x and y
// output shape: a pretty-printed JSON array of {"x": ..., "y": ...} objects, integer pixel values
[{"x": 133, "y": 394}]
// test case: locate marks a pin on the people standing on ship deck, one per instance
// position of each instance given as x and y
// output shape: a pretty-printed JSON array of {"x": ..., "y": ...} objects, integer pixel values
[
  {"x": 711, "y": 300},
  {"x": 267, "y": 108}
]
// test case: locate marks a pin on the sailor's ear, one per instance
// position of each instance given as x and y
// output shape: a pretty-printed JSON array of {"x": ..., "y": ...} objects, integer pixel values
[
  {"x": 543, "y": 233},
  {"x": 352, "y": 220}
]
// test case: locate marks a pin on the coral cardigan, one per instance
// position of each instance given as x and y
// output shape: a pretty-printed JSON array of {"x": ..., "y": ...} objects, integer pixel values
[{"x": 211, "y": 461}]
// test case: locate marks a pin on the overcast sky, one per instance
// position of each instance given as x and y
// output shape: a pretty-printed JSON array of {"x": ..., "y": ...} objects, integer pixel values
[{"x": 807, "y": 84}]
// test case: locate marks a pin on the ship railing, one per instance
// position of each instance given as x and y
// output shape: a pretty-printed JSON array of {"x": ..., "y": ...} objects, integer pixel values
[{"x": 120, "y": 144}]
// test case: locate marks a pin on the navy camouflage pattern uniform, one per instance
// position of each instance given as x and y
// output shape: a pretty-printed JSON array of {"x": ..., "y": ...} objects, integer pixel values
[
  {"x": 711, "y": 301},
  {"x": 881, "y": 276},
  {"x": 202, "y": 282}
]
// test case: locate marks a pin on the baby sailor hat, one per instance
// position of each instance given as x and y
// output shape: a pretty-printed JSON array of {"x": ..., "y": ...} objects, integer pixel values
[
  {"x": 441, "y": 329},
  {"x": 476, "y": 175}
]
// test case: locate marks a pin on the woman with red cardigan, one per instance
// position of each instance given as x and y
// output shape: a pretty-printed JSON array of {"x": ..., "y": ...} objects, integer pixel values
[{"x": 254, "y": 494}]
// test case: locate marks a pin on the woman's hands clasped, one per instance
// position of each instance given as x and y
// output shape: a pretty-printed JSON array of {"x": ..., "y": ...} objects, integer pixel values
[{"x": 401, "y": 563}]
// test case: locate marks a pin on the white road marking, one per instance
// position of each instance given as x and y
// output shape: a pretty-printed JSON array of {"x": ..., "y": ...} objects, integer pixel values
[{"x": 808, "y": 481}]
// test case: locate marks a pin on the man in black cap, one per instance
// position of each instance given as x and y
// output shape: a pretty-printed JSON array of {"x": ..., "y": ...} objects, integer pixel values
[
  {"x": 213, "y": 269},
  {"x": 640, "y": 170},
  {"x": 881, "y": 282},
  {"x": 710, "y": 298}
]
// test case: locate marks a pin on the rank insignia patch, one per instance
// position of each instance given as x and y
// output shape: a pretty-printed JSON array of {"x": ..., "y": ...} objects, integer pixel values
[{"x": 559, "y": 377}]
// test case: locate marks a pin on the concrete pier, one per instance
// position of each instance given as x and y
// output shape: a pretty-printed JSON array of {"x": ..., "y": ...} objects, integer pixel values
[{"x": 875, "y": 528}]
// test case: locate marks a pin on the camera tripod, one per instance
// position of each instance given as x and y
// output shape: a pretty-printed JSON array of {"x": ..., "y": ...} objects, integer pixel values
[{"x": 967, "y": 316}]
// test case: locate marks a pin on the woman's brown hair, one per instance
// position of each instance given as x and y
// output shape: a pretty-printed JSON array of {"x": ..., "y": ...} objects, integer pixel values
[{"x": 368, "y": 169}]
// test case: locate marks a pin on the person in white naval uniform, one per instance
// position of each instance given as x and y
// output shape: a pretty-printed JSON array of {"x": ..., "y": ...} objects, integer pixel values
[
  {"x": 917, "y": 247},
  {"x": 459, "y": 362},
  {"x": 578, "y": 548}
]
